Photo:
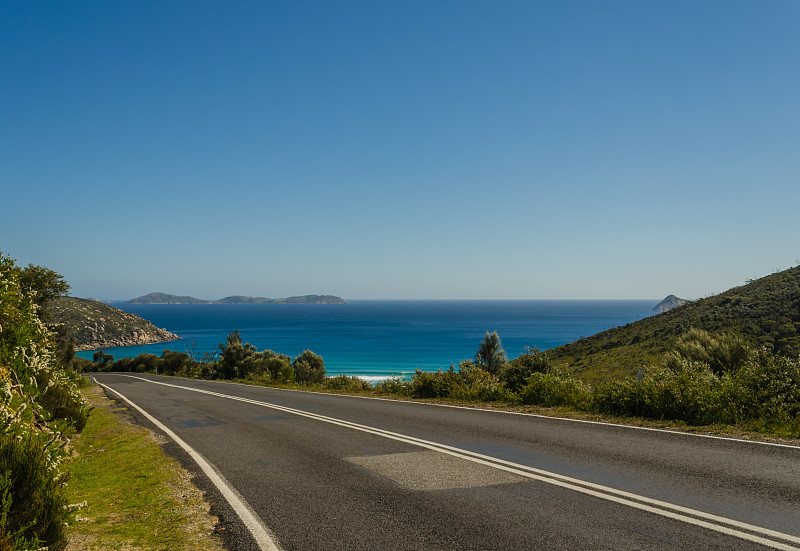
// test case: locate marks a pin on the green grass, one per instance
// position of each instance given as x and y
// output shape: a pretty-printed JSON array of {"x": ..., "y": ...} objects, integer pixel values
[{"x": 135, "y": 496}]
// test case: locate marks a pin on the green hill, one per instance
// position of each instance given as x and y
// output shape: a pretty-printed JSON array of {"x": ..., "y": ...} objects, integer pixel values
[
  {"x": 96, "y": 325},
  {"x": 766, "y": 312}
]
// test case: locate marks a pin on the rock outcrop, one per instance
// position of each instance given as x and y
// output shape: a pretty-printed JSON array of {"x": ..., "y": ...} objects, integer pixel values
[
  {"x": 95, "y": 325},
  {"x": 669, "y": 303}
]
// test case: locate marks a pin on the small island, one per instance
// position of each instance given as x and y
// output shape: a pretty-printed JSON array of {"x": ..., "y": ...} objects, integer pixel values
[{"x": 164, "y": 298}]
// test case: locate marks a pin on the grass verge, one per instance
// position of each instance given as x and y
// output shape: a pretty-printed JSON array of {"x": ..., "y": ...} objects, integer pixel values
[{"x": 131, "y": 495}]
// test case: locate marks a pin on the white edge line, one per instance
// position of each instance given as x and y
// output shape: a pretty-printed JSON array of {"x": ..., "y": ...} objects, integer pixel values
[
  {"x": 595, "y": 490},
  {"x": 263, "y": 536}
]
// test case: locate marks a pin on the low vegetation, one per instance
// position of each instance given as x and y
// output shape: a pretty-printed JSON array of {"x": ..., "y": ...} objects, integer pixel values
[{"x": 127, "y": 494}]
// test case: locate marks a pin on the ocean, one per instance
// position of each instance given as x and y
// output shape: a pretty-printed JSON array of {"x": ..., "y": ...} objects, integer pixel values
[{"x": 376, "y": 339}]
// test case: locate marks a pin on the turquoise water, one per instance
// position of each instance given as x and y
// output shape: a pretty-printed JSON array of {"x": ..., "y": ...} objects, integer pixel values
[{"x": 376, "y": 339}]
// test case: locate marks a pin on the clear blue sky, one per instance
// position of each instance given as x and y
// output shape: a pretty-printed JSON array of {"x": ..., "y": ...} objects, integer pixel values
[{"x": 410, "y": 149}]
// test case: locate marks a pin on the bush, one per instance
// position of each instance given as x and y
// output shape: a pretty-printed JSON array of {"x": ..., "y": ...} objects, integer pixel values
[
  {"x": 433, "y": 384},
  {"x": 469, "y": 383},
  {"x": 688, "y": 392},
  {"x": 308, "y": 368},
  {"x": 38, "y": 397},
  {"x": 32, "y": 495},
  {"x": 475, "y": 384},
  {"x": 516, "y": 372},
  {"x": 550, "y": 390},
  {"x": 393, "y": 385},
  {"x": 343, "y": 382}
]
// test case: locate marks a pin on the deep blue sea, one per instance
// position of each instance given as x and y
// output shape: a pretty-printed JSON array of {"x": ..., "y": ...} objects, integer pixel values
[{"x": 377, "y": 339}]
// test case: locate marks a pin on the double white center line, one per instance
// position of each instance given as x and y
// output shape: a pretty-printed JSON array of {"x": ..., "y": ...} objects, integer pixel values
[{"x": 730, "y": 527}]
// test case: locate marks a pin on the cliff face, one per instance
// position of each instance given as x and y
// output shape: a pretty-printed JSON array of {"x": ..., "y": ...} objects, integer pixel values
[{"x": 96, "y": 325}]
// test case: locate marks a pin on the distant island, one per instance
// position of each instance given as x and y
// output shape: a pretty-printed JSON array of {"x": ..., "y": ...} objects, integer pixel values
[{"x": 163, "y": 298}]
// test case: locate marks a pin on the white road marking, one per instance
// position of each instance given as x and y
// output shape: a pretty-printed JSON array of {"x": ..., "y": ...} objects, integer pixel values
[
  {"x": 695, "y": 517},
  {"x": 674, "y": 432},
  {"x": 263, "y": 536}
]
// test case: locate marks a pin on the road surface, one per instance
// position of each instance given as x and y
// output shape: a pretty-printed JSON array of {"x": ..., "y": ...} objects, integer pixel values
[{"x": 303, "y": 471}]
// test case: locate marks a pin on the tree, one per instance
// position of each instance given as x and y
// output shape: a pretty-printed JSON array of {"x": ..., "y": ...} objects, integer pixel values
[
  {"x": 309, "y": 368},
  {"x": 233, "y": 354},
  {"x": 102, "y": 360},
  {"x": 491, "y": 356},
  {"x": 45, "y": 284}
]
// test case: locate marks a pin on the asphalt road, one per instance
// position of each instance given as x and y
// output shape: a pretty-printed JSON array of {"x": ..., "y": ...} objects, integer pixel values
[{"x": 318, "y": 471}]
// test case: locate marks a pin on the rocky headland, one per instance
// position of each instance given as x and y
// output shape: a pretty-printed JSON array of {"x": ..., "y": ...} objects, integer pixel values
[
  {"x": 96, "y": 325},
  {"x": 669, "y": 303}
]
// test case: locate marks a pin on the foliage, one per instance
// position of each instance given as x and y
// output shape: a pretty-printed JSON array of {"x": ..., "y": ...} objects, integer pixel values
[
  {"x": 516, "y": 372},
  {"x": 723, "y": 353},
  {"x": 763, "y": 392},
  {"x": 690, "y": 393},
  {"x": 103, "y": 360},
  {"x": 393, "y": 385},
  {"x": 350, "y": 384},
  {"x": 553, "y": 389},
  {"x": 233, "y": 354},
  {"x": 490, "y": 355},
  {"x": 39, "y": 402},
  {"x": 42, "y": 284},
  {"x": 308, "y": 368},
  {"x": 32, "y": 493},
  {"x": 763, "y": 313},
  {"x": 470, "y": 383}
]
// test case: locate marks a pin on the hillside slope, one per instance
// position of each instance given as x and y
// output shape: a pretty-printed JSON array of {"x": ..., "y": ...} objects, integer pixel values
[
  {"x": 96, "y": 325},
  {"x": 766, "y": 312}
]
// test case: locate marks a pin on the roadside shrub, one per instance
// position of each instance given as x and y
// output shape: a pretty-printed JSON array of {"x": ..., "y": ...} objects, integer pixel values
[
  {"x": 343, "y": 382},
  {"x": 516, "y": 372},
  {"x": 551, "y": 389},
  {"x": 38, "y": 397},
  {"x": 689, "y": 392},
  {"x": 433, "y": 384},
  {"x": 469, "y": 383},
  {"x": 63, "y": 402},
  {"x": 475, "y": 384},
  {"x": 32, "y": 494},
  {"x": 308, "y": 368},
  {"x": 393, "y": 385},
  {"x": 766, "y": 389},
  {"x": 279, "y": 366}
]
